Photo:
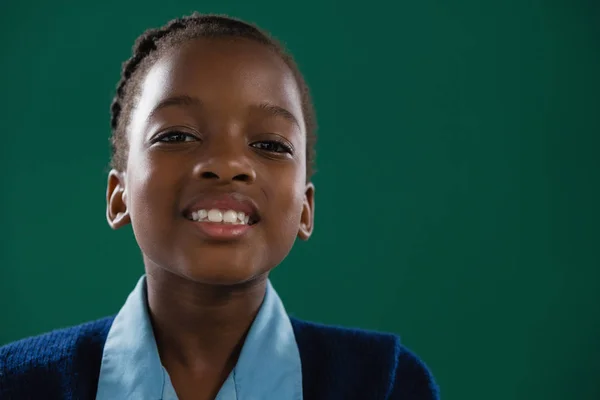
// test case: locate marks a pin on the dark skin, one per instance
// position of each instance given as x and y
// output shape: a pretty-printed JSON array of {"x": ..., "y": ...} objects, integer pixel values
[{"x": 203, "y": 294}]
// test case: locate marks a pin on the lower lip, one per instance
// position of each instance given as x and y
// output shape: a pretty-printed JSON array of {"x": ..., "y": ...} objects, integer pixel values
[{"x": 219, "y": 231}]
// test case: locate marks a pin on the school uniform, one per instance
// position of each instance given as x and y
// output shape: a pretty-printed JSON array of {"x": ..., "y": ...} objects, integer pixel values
[{"x": 282, "y": 358}]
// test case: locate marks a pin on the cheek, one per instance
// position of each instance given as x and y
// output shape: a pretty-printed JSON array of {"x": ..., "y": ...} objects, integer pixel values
[
  {"x": 291, "y": 197},
  {"x": 152, "y": 203},
  {"x": 148, "y": 189},
  {"x": 285, "y": 223},
  {"x": 153, "y": 180}
]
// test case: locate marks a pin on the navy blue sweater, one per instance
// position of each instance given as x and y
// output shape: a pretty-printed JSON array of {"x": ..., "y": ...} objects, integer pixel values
[{"x": 337, "y": 363}]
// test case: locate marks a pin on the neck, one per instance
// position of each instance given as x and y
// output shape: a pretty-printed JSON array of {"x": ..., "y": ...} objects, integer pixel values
[{"x": 200, "y": 327}]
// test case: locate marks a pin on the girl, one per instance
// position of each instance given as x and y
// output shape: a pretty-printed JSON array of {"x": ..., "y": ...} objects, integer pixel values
[{"x": 213, "y": 134}]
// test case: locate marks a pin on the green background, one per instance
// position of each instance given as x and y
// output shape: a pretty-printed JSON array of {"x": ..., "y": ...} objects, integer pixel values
[{"x": 457, "y": 192}]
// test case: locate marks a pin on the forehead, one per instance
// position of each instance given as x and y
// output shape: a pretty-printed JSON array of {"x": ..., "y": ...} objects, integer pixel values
[{"x": 231, "y": 72}]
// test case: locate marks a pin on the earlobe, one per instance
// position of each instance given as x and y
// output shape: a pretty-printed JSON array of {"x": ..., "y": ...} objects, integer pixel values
[
  {"x": 117, "y": 212},
  {"x": 308, "y": 213}
]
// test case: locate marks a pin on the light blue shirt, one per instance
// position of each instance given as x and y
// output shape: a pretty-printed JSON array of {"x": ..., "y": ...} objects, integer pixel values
[{"x": 268, "y": 366}]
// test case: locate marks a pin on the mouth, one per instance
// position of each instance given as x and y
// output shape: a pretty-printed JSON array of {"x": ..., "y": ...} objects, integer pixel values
[
  {"x": 225, "y": 210},
  {"x": 223, "y": 216}
]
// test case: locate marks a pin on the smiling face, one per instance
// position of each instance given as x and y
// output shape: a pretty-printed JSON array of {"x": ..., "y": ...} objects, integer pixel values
[{"x": 217, "y": 131}]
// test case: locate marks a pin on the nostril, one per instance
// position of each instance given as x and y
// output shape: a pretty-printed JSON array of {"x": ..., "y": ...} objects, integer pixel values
[
  {"x": 238, "y": 177},
  {"x": 209, "y": 175},
  {"x": 242, "y": 178}
]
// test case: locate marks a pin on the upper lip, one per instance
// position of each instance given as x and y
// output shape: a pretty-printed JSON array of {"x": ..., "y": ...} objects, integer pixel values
[{"x": 223, "y": 201}]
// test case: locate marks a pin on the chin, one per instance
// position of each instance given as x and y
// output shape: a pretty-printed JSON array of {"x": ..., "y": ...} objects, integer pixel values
[
  {"x": 225, "y": 275},
  {"x": 223, "y": 265},
  {"x": 210, "y": 265}
]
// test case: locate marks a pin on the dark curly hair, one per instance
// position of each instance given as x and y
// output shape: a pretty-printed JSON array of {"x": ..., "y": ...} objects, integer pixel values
[{"x": 150, "y": 45}]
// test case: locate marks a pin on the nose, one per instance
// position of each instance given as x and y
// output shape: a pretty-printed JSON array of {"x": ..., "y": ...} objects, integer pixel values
[{"x": 225, "y": 163}]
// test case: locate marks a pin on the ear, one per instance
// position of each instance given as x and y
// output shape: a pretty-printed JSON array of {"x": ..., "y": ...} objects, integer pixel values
[
  {"x": 307, "y": 218},
  {"x": 117, "y": 213}
]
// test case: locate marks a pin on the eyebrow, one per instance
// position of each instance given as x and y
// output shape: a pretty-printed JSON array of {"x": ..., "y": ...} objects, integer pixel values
[
  {"x": 186, "y": 101},
  {"x": 278, "y": 111},
  {"x": 182, "y": 100}
]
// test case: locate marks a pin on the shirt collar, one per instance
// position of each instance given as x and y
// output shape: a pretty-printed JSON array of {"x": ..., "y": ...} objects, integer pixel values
[{"x": 268, "y": 366}]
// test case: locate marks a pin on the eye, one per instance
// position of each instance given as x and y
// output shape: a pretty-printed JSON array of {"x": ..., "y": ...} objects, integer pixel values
[
  {"x": 176, "y": 137},
  {"x": 272, "y": 146}
]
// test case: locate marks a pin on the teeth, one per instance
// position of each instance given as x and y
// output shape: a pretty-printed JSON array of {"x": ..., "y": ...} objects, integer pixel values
[
  {"x": 215, "y": 215},
  {"x": 230, "y": 217},
  {"x": 222, "y": 216}
]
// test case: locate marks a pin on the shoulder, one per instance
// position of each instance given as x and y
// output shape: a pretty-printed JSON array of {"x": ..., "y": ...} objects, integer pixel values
[
  {"x": 50, "y": 362},
  {"x": 53, "y": 347},
  {"x": 360, "y": 362}
]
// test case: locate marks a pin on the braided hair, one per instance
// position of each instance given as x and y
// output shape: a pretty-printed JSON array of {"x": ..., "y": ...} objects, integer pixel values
[{"x": 150, "y": 46}]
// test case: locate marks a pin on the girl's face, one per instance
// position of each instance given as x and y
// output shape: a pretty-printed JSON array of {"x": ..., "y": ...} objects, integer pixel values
[{"x": 218, "y": 125}]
